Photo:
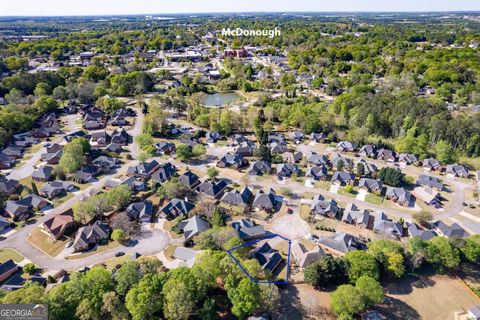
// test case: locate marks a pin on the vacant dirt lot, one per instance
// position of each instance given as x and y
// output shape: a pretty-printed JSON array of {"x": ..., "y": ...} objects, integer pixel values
[{"x": 427, "y": 297}]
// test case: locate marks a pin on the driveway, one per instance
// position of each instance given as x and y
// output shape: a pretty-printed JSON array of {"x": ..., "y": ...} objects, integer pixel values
[
  {"x": 291, "y": 226},
  {"x": 362, "y": 193}
]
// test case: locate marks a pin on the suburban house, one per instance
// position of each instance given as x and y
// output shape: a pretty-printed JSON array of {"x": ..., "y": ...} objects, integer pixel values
[
  {"x": 13, "y": 152},
  {"x": 235, "y": 161},
  {"x": 177, "y": 207},
  {"x": 132, "y": 182},
  {"x": 399, "y": 195},
  {"x": 106, "y": 164},
  {"x": 431, "y": 164},
  {"x": 8, "y": 186},
  {"x": 190, "y": 180},
  {"x": 339, "y": 161},
  {"x": 407, "y": 158},
  {"x": 268, "y": 258},
  {"x": 248, "y": 230},
  {"x": 317, "y": 173},
  {"x": 165, "y": 147},
  {"x": 143, "y": 170},
  {"x": 346, "y": 146},
  {"x": 429, "y": 196},
  {"x": 415, "y": 231},
  {"x": 340, "y": 244},
  {"x": 368, "y": 150},
  {"x": 164, "y": 173},
  {"x": 296, "y": 136},
  {"x": 456, "y": 170},
  {"x": 186, "y": 255},
  {"x": 90, "y": 236},
  {"x": 292, "y": 157},
  {"x": 212, "y": 189},
  {"x": 318, "y": 137},
  {"x": 43, "y": 173},
  {"x": 60, "y": 224},
  {"x": 430, "y": 182},
  {"x": 213, "y": 137},
  {"x": 56, "y": 189},
  {"x": 278, "y": 147},
  {"x": 452, "y": 231},
  {"x": 322, "y": 207},
  {"x": 371, "y": 185},
  {"x": 7, "y": 269},
  {"x": 114, "y": 148},
  {"x": 259, "y": 168},
  {"x": 286, "y": 170},
  {"x": 99, "y": 139},
  {"x": 4, "y": 224},
  {"x": 238, "y": 198},
  {"x": 386, "y": 155},
  {"x": 343, "y": 178},
  {"x": 317, "y": 159},
  {"x": 142, "y": 211},
  {"x": 304, "y": 257},
  {"x": 266, "y": 201},
  {"x": 52, "y": 157},
  {"x": 21, "y": 209},
  {"x": 6, "y": 162},
  {"x": 14, "y": 283},
  {"x": 192, "y": 227},
  {"x": 120, "y": 137},
  {"x": 245, "y": 148},
  {"x": 353, "y": 215},
  {"x": 386, "y": 227}
]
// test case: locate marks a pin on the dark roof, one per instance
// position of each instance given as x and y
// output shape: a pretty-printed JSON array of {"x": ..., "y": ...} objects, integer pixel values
[
  {"x": 265, "y": 201},
  {"x": 142, "y": 210},
  {"x": 164, "y": 173},
  {"x": 247, "y": 229},
  {"x": 237, "y": 198},
  {"x": 177, "y": 206},
  {"x": 212, "y": 189},
  {"x": 188, "y": 179},
  {"x": 7, "y": 266}
]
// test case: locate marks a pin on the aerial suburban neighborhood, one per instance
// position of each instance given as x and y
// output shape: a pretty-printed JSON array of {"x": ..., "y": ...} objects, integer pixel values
[{"x": 154, "y": 167}]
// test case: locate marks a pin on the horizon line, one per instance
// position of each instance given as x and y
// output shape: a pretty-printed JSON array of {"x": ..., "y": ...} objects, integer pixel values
[{"x": 238, "y": 12}]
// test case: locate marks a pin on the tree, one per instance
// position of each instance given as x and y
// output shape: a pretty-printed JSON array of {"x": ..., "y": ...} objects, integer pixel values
[
  {"x": 72, "y": 157},
  {"x": 417, "y": 250},
  {"x": 212, "y": 173},
  {"x": 361, "y": 263},
  {"x": 183, "y": 152},
  {"x": 370, "y": 289},
  {"x": 244, "y": 298},
  {"x": 45, "y": 104},
  {"x": 29, "y": 268},
  {"x": 389, "y": 255},
  {"x": 360, "y": 169},
  {"x": 198, "y": 150},
  {"x": 326, "y": 271},
  {"x": 172, "y": 189},
  {"x": 144, "y": 140},
  {"x": 146, "y": 298},
  {"x": 347, "y": 300},
  {"x": 442, "y": 253},
  {"x": 113, "y": 306},
  {"x": 33, "y": 293},
  {"x": 240, "y": 253},
  {"x": 422, "y": 217},
  {"x": 217, "y": 219},
  {"x": 444, "y": 152},
  {"x": 118, "y": 235},
  {"x": 471, "y": 248},
  {"x": 391, "y": 176},
  {"x": 60, "y": 93},
  {"x": 126, "y": 277}
]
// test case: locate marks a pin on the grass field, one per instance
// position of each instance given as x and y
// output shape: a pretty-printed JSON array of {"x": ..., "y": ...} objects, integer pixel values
[
  {"x": 42, "y": 241},
  {"x": 100, "y": 248},
  {"x": 427, "y": 297},
  {"x": 344, "y": 192},
  {"x": 7, "y": 254},
  {"x": 113, "y": 262},
  {"x": 373, "y": 198},
  {"x": 323, "y": 185},
  {"x": 305, "y": 211}
]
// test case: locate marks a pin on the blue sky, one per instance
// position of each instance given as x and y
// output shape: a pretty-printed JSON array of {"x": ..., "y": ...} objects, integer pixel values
[{"x": 103, "y": 7}]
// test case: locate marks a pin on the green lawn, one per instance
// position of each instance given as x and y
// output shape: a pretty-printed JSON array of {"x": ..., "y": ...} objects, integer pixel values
[
  {"x": 305, "y": 211},
  {"x": 6, "y": 254},
  {"x": 374, "y": 199},
  {"x": 325, "y": 185},
  {"x": 45, "y": 243},
  {"x": 113, "y": 262},
  {"x": 344, "y": 192}
]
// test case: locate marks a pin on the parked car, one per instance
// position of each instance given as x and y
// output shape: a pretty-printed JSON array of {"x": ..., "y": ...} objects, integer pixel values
[{"x": 119, "y": 254}]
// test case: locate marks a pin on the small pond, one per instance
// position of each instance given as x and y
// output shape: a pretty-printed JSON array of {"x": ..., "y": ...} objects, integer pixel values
[{"x": 220, "y": 99}]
